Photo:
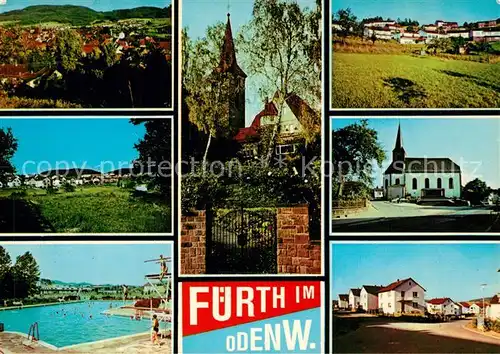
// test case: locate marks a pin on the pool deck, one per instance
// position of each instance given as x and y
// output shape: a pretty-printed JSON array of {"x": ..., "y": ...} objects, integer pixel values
[
  {"x": 12, "y": 343},
  {"x": 19, "y": 307}
]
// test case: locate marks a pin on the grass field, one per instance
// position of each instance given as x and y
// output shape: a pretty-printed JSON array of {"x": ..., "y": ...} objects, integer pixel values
[
  {"x": 396, "y": 81},
  {"x": 87, "y": 210}
]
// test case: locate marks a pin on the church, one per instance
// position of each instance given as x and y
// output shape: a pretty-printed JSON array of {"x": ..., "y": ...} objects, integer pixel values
[{"x": 420, "y": 177}]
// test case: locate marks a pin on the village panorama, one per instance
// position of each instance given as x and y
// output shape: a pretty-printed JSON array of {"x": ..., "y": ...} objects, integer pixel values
[
  {"x": 384, "y": 62},
  {"x": 69, "y": 56},
  {"x": 59, "y": 187}
]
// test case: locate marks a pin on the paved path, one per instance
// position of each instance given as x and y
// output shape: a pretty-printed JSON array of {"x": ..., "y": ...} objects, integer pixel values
[
  {"x": 405, "y": 217},
  {"x": 383, "y": 336},
  {"x": 12, "y": 344}
]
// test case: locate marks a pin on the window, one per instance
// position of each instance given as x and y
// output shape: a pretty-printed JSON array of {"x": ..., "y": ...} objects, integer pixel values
[
  {"x": 409, "y": 283},
  {"x": 402, "y": 294},
  {"x": 415, "y": 294},
  {"x": 415, "y": 305},
  {"x": 439, "y": 183},
  {"x": 285, "y": 149},
  {"x": 386, "y": 183},
  {"x": 450, "y": 183},
  {"x": 414, "y": 184},
  {"x": 397, "y": 180},
  {"x": 389, "y": 305},
  {"x": 427, "y": 184}
]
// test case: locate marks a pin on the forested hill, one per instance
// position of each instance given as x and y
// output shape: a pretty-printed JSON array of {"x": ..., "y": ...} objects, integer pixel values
[{"x": 78, "y": 15}]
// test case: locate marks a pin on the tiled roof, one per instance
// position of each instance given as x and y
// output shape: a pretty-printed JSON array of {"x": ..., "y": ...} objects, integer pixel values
[
  {"x": 439, "y": 301},
  {"x": 372, "y": 289},
  {"x": 396, "y": 284},
  {"x": 465, "y": 304},
  {"x": 356, "y": 291},
  {"x": 344, "y": 297},
  {"x": 423, "y": 165},
  {"x": 253, "y": 130}
]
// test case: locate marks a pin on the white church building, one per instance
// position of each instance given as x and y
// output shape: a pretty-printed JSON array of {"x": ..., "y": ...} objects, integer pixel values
[{"x": 420, "y": 177}]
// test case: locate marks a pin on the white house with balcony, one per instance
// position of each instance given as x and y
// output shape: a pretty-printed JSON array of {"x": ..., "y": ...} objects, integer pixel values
[{"x": 402, "y": 296}]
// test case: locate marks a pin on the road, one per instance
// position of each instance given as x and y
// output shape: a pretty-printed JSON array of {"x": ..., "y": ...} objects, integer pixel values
[
  {"x": 379, "y": 335},
  {"x": 384, "y": 216}
]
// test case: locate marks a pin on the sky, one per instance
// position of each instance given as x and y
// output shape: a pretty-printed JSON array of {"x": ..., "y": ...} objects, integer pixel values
[
  {"x": 472, "y": 143},
  {"x": 94, "y": 263},
  {"x": 424, "y": 11},
  {"x": 443, "y": 270},
  {"x": 98, "y": 5},
  {"x": 198, "y": 15},
  {"x": 73, "y": 143}
]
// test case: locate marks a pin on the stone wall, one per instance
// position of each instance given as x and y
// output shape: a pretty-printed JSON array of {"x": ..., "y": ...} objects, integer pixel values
[
  {"x": 193, "y": 242},
  {"x": 297, "y": 254}
]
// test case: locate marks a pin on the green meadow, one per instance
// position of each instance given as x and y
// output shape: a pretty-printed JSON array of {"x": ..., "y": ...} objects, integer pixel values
[
  {"x": 102, "y": 209},
  {"x": 364, "y": 80}
]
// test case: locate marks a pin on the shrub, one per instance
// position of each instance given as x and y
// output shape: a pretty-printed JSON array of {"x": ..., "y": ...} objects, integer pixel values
[
  {"x": 68, "y": 187},
  {"x": 19, "y": 194},
  {"x": 129, "y": 184}
]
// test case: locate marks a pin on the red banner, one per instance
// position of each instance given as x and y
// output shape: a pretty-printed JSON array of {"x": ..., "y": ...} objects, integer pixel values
[{"x": 208, "y": 306}]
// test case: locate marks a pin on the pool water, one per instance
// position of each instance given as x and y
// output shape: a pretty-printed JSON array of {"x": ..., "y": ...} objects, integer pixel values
[{"x": 76, "y": 323}]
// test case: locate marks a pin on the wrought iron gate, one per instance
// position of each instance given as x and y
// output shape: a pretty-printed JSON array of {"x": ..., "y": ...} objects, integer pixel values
[{"x": 241, "y": 241}]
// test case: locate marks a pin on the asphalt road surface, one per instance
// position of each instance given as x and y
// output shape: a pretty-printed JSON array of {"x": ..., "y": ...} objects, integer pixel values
[
  {"x": 393, "y": 217},
  {"x": 383, "y": 336}
]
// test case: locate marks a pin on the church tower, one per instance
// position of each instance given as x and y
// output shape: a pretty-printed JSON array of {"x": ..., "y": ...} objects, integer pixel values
[
  {"x": 398, "y": 153},
  {"x": 227, "y": 63}
]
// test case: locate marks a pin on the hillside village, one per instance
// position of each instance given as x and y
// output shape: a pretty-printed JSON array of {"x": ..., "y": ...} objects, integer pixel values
[
  {"x": 483, "y": 31},
  {"x": 102, "y": 63},
  {"x": 407, "y": 297},
  {"x": 74, "y": 177},
  {"x": 123, "y": 36}
]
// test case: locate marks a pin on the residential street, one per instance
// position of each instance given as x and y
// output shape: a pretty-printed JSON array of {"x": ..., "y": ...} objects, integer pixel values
[
  {"x": 379, "y": 335},
  {"x": 384, "y": 216}
]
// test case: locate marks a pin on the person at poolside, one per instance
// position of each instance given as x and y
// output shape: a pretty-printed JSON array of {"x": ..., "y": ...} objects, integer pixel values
[
  {"x": 156, "y": 329},
  {"x": 163, "y": 267},
  {"x": 125, "y": 292}
]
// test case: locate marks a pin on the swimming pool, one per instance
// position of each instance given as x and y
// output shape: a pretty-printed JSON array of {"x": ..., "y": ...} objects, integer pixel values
[{"x": 76, "y": 323}]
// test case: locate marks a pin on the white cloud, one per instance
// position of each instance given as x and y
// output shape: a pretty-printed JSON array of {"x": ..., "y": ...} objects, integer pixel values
[{"x": 3, "y": 2}]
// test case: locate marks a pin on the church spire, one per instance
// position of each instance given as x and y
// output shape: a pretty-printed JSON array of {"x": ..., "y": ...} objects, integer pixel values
[
  {"x": 399, "y": 139},
  {"x": 399, "y": 153},
  {"x": 227, "y": 61}
]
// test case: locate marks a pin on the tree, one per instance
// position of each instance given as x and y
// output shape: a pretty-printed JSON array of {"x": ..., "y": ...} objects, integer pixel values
[
  {"x": 475, "y": 191},
  {"x": 5, "y": 274},
  {"x": 457, "y": 43},
  {"x": 8, "y": 147},
  {"x": 313, "y": 45},
  {"x": 68, "y": 50},
  {"x": 354, "y": 148},
  {"x": 26, "y": 275},
  {"x": 275, "y": 52},
  {"x": 373, "y": 37},
  {"x": 156, "y": 148},
  {"x": 347, "y": 22}
]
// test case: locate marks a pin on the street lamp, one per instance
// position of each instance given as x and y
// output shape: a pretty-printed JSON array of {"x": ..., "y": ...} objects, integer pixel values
[{"x": 482, "y": 290}]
